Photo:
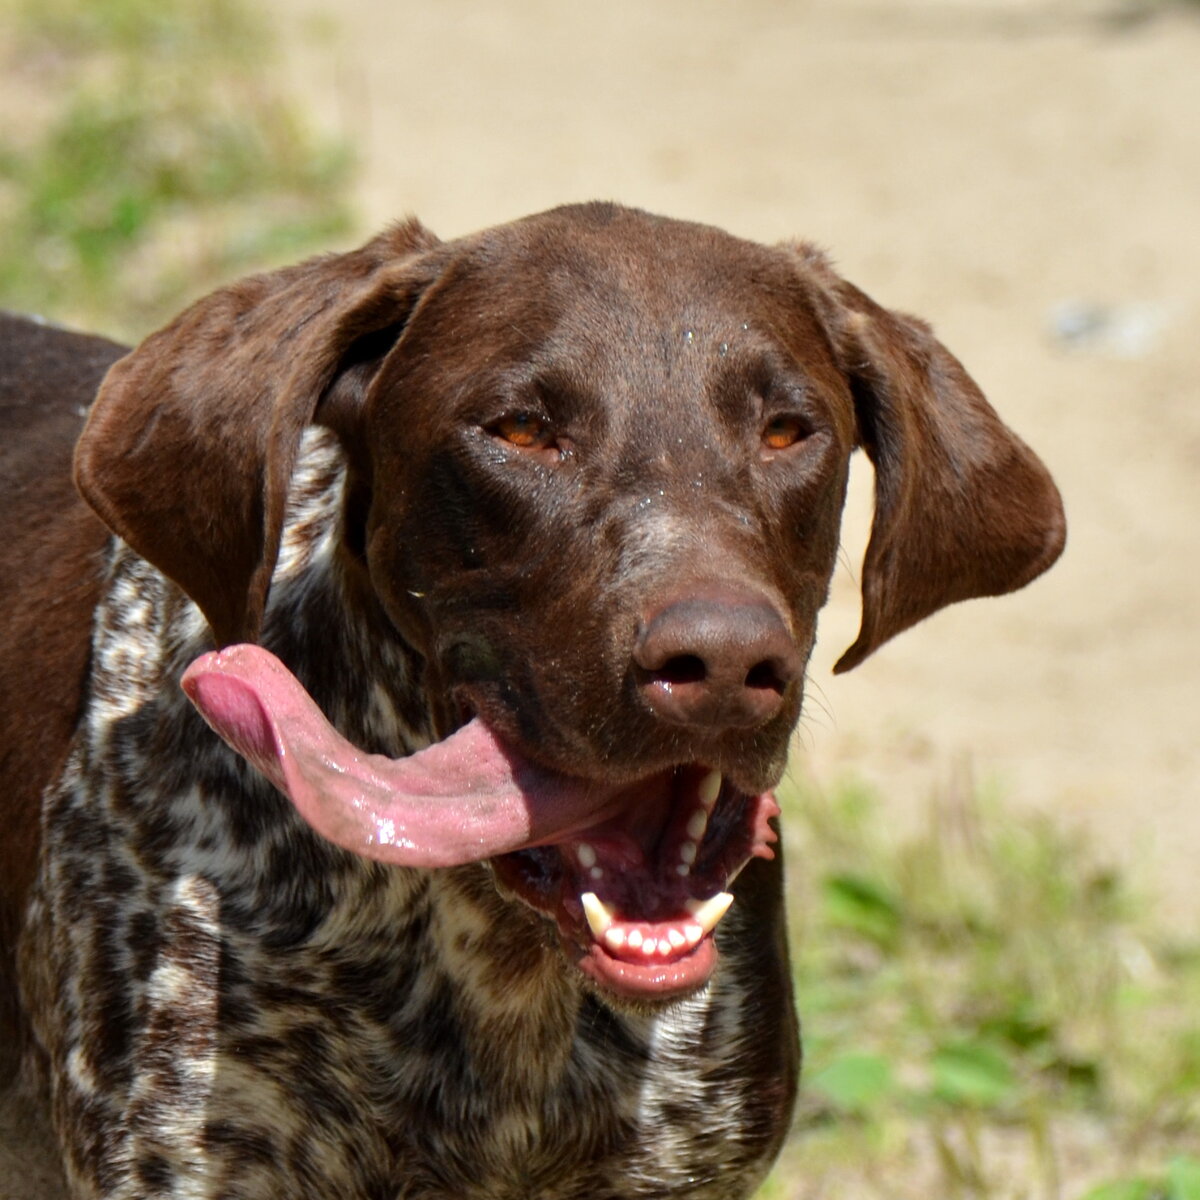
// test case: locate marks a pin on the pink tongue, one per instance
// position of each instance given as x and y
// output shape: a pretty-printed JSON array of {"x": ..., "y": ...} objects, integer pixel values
[{"x": 463, "y": 799}]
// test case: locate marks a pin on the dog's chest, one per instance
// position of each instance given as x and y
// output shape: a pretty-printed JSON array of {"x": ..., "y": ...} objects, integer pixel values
[
  {"x": 410, "y": 1044},
  {"x": 493, "y": 1075}
]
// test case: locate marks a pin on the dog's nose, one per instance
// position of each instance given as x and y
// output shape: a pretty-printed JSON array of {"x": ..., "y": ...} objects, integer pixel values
[{"x": 715, "y": 657}]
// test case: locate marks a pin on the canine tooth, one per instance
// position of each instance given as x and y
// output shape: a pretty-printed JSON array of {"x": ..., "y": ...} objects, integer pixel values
[
  {"x": 708, "y": 912},
  {"x": 687, "y": 852},
  {"x": 697, "y": 824},
  {"x": 599, "y": 915},
  {"x": 709, "y": 789},
  {"x": 635, "y": 938},
  {"x": 615, "y": 937},
  {"x": 676, "y": 938},
  {"x": 586, "y": 855}
]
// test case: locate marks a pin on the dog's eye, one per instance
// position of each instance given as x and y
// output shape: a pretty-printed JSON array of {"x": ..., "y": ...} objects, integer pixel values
[
  {"x": 783, "y": 431},
  {"x": 525, "y": 430}
]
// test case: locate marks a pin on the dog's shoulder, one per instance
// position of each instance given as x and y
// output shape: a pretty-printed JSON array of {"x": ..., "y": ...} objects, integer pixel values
[
  {"x": 50, "y": 555},
  {"x": 48, "y": 376},
  {"x": 51, "y": 564}
]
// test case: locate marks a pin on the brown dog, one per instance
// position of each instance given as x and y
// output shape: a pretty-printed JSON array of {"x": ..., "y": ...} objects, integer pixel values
[{"x": 516, "y": 545}]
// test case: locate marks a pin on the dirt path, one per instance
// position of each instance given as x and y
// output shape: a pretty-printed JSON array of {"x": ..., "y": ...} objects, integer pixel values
[{"x": 1004, "y": 168}]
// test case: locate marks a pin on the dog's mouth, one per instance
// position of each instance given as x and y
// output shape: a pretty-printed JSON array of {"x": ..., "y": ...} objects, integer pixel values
[
  {"x": 636, "y": 897},
  {"x": 634, "y": 875}
]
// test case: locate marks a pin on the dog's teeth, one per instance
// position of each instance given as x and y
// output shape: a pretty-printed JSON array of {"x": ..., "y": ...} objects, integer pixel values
[
  {"x": 709, "y": 912},
  {"x": 586, "y": 855},
  {"x": 599, "y": 915},
  {"x": 682, "y": 870},
  {"x": 687, "y": 852},
  {"x": 596, "y": 873},
  {"x": 635, "y": 938},
  {"x": 709, "y": 789},
  {"x": 649, "y": 947},
  {"x": 692, "y": 934},
  {"x": 676, "y": 938},
  {"x": 697, "y": 824},
  {"x": 615, "y": 937}
]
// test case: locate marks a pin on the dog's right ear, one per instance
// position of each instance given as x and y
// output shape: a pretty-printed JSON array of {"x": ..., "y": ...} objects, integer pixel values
[{"x": 190, "y": 444}]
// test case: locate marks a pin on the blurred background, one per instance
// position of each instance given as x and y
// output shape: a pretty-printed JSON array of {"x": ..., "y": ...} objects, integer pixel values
[{"x": 994, "y": 824}]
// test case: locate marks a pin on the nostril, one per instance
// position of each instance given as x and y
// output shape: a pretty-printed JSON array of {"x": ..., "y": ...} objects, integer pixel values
[
  {"x": 683, "y": 668},
  {"x": 766, "y": 677}
]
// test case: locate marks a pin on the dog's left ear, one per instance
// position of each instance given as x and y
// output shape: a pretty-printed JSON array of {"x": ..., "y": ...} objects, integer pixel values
[
  {"x": 190, "y": 445},
  {"x": 963, "y": 507}
]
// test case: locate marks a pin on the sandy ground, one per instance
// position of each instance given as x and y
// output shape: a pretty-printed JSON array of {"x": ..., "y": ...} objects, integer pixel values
[{"x": 1025, "y": 174}]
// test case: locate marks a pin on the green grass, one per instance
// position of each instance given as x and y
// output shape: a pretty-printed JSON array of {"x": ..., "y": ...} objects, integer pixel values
[
  {"x": 988, "y": 1012},
  {"x": 151, "y": 155}
]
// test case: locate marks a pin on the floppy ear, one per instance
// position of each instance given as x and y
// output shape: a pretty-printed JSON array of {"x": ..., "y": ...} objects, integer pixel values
[
  {"x": 963, "y": 507},
  {"x": 190, "y": 444}
]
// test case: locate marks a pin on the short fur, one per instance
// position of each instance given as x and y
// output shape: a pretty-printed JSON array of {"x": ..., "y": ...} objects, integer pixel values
[{"x": 221, "y": 1004}]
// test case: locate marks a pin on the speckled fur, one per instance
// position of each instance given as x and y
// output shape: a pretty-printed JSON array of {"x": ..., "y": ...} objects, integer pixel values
[
  {"x": 226, "y": 1007},
  {"x": 232, "y": 1007}
]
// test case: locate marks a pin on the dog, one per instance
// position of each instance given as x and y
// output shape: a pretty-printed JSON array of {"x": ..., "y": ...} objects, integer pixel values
[{"x": 389, "y": 738}]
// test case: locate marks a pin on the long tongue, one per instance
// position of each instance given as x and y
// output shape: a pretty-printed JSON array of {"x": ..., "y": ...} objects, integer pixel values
[{"x": 466, "y": 798}]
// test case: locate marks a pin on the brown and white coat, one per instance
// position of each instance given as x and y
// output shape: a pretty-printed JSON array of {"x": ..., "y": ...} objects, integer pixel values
[{"x": 523, "y": 482}]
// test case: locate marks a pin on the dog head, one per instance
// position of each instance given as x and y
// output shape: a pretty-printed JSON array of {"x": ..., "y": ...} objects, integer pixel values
[{"x": 597, "y": 461}]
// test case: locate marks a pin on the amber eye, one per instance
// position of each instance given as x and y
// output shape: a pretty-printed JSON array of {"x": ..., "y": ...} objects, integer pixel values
[
  {"x": 523, "y": 429},
  {"x": 783, "y": 431}
]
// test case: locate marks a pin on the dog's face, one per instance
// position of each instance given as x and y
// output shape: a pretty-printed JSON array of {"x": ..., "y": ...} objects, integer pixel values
[
  {"x": 610, "y": 438},
  {"x": 641, "y": 436},
  {"x": 597, "y": 462}
]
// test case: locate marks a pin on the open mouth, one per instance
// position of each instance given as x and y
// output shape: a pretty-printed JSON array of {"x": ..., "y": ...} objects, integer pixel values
[
  {"x": 636, "y": 897},
  {"x": 634, "y": 875}
]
